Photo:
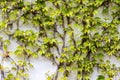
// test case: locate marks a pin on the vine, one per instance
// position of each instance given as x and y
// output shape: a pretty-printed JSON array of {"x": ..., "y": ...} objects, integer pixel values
[{"x": 70, "y": 33}]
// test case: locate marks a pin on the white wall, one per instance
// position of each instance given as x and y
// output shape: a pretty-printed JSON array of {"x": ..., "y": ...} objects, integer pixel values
[{"x": 44, "y": 67}]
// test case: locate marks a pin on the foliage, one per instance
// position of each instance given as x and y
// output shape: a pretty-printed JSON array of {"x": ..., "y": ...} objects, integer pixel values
[{"x": 71, "y": 28}]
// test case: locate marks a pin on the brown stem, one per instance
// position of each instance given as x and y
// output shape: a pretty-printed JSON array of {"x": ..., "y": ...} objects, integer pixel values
[{"x": 64, "y": 33}]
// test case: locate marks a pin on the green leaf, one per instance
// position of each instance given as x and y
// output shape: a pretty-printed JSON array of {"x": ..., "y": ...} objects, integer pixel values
[{"x": 101, "y": 77}]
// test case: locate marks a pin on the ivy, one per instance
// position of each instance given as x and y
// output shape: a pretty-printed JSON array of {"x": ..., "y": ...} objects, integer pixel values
[{"x": 76, "y": 35}]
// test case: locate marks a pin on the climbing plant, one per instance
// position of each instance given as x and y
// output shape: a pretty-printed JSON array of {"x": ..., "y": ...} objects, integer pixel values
[{"x": 76, "y": 35}]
